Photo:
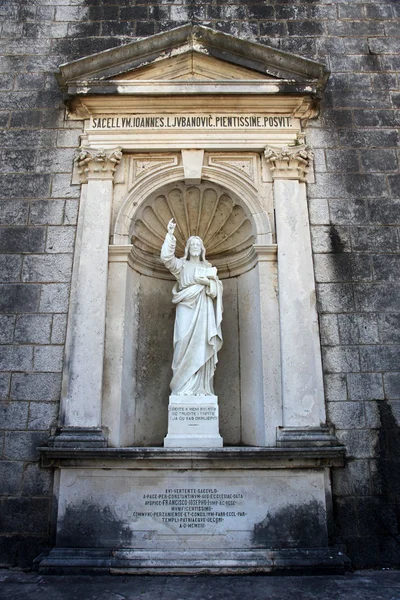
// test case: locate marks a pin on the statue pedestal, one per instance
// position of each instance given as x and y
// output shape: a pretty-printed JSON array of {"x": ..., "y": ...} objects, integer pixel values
[{"x": 193, "y": 422}]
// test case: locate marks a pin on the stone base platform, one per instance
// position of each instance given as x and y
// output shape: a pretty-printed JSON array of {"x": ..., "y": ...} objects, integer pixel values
[{"x": 211, "y": 510}]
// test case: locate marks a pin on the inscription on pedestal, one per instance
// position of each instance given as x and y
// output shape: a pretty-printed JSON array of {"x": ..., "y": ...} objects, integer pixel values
[
  {"x": 172, "y": 509},
  {"x": 191, "y": 508},
  {"x": 191, "y": 414}
]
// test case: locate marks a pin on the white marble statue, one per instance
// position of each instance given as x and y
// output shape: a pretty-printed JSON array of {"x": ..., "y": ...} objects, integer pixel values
[{"x": 197, "y": 334}]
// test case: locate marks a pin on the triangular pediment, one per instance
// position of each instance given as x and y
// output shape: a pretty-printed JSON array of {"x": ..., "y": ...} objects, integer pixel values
[
  {"x": 191, "y": 66},
  {"x": 191, "y": 53}
]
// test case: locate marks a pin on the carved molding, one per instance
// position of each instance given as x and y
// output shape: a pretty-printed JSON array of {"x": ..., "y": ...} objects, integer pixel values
[
  {"x": 97, "y": 163},
  {"x": 289, "y": 162},
  {"x": 243, "y": 165}
]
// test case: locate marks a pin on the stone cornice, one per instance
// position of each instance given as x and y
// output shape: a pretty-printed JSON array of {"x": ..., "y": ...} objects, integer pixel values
[
  {"x": 289, "y": 162},
  {"x": 97, "y": 163},
  {"x": 259, "y": 58},
  {"x": 182, "y": 458}
]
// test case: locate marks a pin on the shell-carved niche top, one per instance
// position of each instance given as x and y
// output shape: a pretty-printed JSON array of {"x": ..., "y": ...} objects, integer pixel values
[{"x": 206, "y": 210}]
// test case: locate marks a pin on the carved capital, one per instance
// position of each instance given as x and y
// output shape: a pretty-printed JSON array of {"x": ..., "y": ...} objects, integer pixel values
[
  {"x": 97, "y": 163},
  {"x": 289, "y": 162}
]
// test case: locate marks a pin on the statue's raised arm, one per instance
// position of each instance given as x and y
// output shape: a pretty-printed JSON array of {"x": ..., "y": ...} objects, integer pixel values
[{"x": 168, "y": 257}]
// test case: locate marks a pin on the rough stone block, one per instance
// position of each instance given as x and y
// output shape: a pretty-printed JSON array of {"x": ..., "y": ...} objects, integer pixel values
[
  {"x": 60, "y": 239},
  {"x": 68, "y": 138},
  {"x": 358, "y": 329},
  {"x": 333, "y": 297},
  {"x": 329, "y": 330},
  {"x": 335, "y": 46},
  {"x": 384, "y": 45},
  {"x": 359, "y": 443},
  {"x": 47, "y": 212},
  {"x": 26, "y": 119},
  {"x": 20, "y": 138},
  {"x": 394, "y": 183},
  {"x": 10, "y": 477},
  {"x": 389, "y": 328},
  {"x": 375, "y": 11},
  {"x": 50, "y": 268},
  {"x": 386, "y": 267},
  {"x": 346, "y": 415},
  {"x": 42, "y": 415},
  {"x": 319, "y": 161},
  {"x": 29, "y": 185},
  {"x": 355, "y": 28},
  {"x": 365, "y": 386},
  {"x": 23, "y": 445},
  {"x": 10, "y": 268},
  {"x": 372, "y": 415},
  {"x": 379, "y": 358},
  {"x": 36, "y": 386},
  {"x": 318, "y": 211},
  {"x": 375, "y": 118},
  {"x": 33, "y": 329},
  {"x": 71, "y": 212},
  {"x": 342, "y": 267},
  {"x": 24, "y": 515},
  {"x": 54, "y": 298},
  {"x": 71, "y": 13},
  {"x": 55, "y": 161},
  {"x": 392, "y": 385},
  {"x": 62, "y": 187},
  {"x": 346, "y": 522},
  {"x": 349, "y": 212},
  {"x": 353, "y": 480},
  {"x": 350, "y": 12},
  {"x": 19, "y": 298},
  {"x": 376, "y": 297},
  {"x": 386, "y": 212},
  {"x": 374, "y": 239},
  {"x": 308, "y": 28},
  {"x": 13, "y": 212},
  {"x": 22, "y": 239},
  {"x": 4, "y": 385},
  {"x": 378, "y": 138},
  {"x": 335, "y": 388},
  {"x": 36, "y": 481},
  {"x": 29, "y": 81},
  {"x": 48, "y": 359},
  {"x": 58, "y": 329},
  {"x": 333, "y": 118},
  {"x": 340, "y": 359},
  {"x": 330, "y": 239},
  {"x": 367, "y": 186},
  {"x": 342, "y": 161},
  {"x": 16, "y": 358},
  {"x": 7, "y": 323},
  {"x": 13, "y": 415},
  {"x": 320, "y": 138}
]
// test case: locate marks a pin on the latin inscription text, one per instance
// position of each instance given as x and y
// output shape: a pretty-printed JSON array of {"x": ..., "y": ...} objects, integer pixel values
[{"x": 192, "y": 122}]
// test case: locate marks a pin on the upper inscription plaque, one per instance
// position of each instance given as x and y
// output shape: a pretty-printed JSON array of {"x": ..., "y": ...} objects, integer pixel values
[{"x": 180, "y": 121}]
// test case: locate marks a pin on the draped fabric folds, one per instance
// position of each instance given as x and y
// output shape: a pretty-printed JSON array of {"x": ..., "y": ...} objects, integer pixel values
[{"x": 197, "y": 332}]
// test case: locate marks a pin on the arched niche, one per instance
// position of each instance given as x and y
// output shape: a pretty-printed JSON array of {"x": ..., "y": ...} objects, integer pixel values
[{"x": 140, "y": 314}]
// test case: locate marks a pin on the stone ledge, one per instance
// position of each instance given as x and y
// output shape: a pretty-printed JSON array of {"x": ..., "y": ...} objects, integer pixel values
[
  {"x": 181, "y": 562},
  {"x": 199, "y": 458}
]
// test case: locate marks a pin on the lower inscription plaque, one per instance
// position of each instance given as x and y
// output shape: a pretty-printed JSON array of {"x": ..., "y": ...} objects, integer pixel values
[
  {"x": 191, "y": 508},
  {"x": 165, "y": 508}
]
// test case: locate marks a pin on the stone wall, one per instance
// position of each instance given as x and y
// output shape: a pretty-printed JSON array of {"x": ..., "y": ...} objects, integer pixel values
[{"x": 354, "y": 212}]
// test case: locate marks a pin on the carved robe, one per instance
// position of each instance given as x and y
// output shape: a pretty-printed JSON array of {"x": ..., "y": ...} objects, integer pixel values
[{"x": 197, "y": 332}]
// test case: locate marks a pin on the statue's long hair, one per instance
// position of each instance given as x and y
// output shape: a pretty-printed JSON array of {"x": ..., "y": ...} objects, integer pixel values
[{"x": 186, "y": 256}]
